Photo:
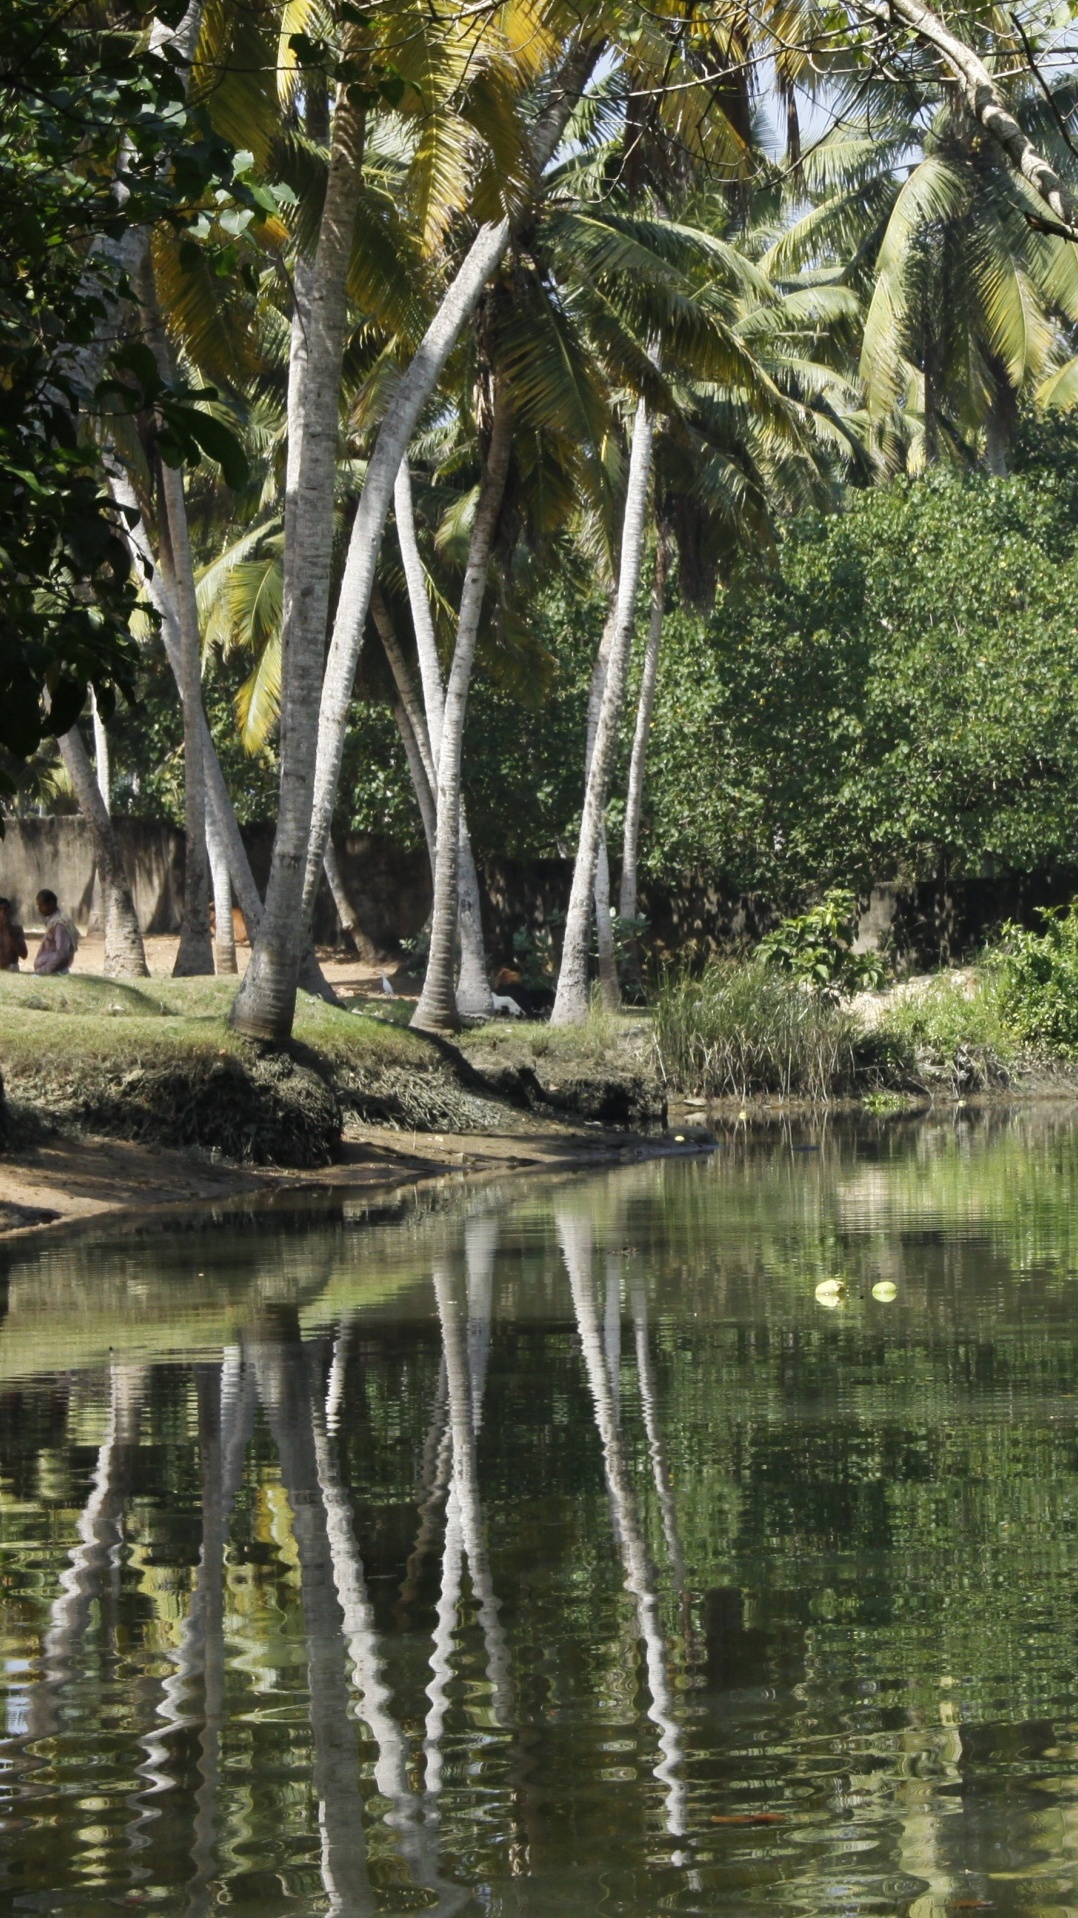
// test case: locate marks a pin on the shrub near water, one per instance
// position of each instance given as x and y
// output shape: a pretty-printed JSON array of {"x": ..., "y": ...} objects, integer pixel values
[
  {"x": 948, "y": 1034},
  {"x": 742, "y": 1027},
  {"x": 1038, "y": 983}
]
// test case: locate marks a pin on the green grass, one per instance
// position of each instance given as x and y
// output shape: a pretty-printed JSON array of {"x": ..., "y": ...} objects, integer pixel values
[
  {"x": 944, "y": 1031},
  {"x": 82, "y": 1016},
  {"x": 159, "y": 1062},
  {"x": 606, "y": 1040},
  {"x": 740, "y": 1028}
]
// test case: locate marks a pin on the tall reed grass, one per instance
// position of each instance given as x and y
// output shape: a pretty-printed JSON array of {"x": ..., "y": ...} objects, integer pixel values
[{"x": 740, "y": 1027}]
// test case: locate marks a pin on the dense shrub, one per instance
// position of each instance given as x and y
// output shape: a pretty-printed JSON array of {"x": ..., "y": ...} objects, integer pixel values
[
  {"x": 816, "y": 948},
  {"x": 951, "y": 1032},
  {"x": 1038, "y": 983},
  {"x": 740, "y": 1027}
]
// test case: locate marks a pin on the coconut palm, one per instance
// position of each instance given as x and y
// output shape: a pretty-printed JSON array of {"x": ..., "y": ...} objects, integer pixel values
[
  {"x": 315, "y": 704},
  {"x": 966, "y": 302}
]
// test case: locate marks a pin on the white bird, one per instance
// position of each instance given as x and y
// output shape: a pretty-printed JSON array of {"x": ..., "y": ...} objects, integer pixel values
[
  {"x": 502, "y": 1003},
  {"x": 386, "y": 987}
]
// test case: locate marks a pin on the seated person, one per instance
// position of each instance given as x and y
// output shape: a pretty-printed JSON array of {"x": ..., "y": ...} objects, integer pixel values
[
  {"x": 12, "y": 940},
  {"x": 57, "y": 949}
]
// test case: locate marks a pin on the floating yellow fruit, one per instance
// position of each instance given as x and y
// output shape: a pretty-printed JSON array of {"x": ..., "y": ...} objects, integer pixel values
[
  {"x": 831, "y": 1292},
  {"x": 885, "y": 1290}
]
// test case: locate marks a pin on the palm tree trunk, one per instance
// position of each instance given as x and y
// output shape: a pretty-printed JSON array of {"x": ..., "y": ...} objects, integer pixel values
[
  {"x": 604, "y": 934},
  {"x": 101, "y": 773},
  {"x": 125, "y": 954},
  {"x": 634, "y": 798},
  {"x": 989, "y": 109},
  {"x": 101, "y": 755},
  {"x": 224, "y": 938},
  {"x": 430, "y": 666},
  {"x": 473, "y": 987},
  {"x": 439, "y": 1008},
  {"x": 195, "y": 955},
  {"x": 265, "y": 1004},
  {"x": 571, "y": 999},
  {"x": 473, "y": 994},
  {"x": 346, "y": 912},
  {"x": 604, "y": 930},
  {"x": 218, "y": 802},
  {"x": 424, "y": 798},
  {"x": 483, "y": 258}
]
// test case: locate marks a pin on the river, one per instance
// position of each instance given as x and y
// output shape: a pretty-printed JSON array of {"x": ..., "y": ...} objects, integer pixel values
[{"x": 698, "y": 1536}]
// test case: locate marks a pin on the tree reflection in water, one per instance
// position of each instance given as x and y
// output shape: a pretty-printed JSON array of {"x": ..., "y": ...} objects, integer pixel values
[{"x": 569, "y": 1562}]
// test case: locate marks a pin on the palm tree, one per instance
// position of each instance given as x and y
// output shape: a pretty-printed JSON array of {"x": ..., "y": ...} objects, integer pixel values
[
  {"x": 125, "y": 954},
  {"x": 437, "y": 1006},
  {"x": 628, "y": 898},
  {"x": 315, "y": 705},
  {"x": 733, "y": 384},
  {"x": 965, "y": 301}
]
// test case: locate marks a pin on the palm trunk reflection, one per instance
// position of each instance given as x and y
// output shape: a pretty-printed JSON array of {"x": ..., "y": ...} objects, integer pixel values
[
  {"x": 575, "y": 1237},
  {"x": 226, "y": 1408},
  {"x": 284, "y": 1387},
  {"x": 97, "y": 1552},
  {"x": 466, "y": 1350},
  {"x": 645, "y": 1372}
]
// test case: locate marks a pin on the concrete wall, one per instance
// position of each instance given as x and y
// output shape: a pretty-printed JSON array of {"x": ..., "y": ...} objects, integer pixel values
[
  {"x": 933, "y": 923},
  {"x": 389, "y": 889},
  {"x": 58, "y": 852}
]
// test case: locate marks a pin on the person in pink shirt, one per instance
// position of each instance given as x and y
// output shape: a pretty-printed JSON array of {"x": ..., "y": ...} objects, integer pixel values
[{"x": 57, "y": 949}]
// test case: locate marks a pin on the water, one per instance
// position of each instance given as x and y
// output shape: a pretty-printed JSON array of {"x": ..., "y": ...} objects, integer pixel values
[{"x": 549, "y": 1548}]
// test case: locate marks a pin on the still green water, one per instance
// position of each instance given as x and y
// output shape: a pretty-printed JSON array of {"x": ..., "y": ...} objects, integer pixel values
[{"x": 550, "y": 1548}]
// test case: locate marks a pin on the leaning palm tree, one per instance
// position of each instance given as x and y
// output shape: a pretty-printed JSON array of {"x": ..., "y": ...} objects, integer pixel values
[
  {"x": 725, "y": 357},
  {"x": 315, "y": 702}
]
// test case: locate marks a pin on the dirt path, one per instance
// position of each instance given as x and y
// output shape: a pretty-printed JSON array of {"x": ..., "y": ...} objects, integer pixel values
[{"x": 347, "y": 975}]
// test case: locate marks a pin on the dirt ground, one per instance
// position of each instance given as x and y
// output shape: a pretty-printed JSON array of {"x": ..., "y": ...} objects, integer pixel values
[
  {"x": 346, "y": 974},
  {"x": 65, "y": 1183}
]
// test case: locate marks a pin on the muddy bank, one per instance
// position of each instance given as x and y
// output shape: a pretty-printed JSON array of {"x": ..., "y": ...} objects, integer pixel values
[
  {"x": 120, "y": 1096},
  {"x": 64, "y": 1183}
]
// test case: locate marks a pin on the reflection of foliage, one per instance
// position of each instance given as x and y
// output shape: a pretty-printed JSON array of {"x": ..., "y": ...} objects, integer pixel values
[{"x": 876, "y": 1514}]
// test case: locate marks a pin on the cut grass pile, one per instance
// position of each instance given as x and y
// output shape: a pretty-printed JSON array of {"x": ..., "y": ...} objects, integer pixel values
[
  {"x": 602, "y": 1071},
  {"x": 158, "y": 1062}
]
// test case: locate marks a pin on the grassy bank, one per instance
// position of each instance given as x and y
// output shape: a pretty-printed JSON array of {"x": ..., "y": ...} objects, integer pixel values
[
  {"x": 739, "y": 1031},
  {"x": 158, "y": 1062}
]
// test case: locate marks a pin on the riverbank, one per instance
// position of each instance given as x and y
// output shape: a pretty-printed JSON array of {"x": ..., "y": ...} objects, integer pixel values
[
  {"x": 119, "y": 1097},
  {"x": 124, "y": 1098}
]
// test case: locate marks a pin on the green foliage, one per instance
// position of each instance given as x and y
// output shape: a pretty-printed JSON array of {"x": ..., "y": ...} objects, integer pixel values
[
  {"x": 1038, "y": 982},
  {"x": 897, "y": 697},
  {"x": 534, "y": 956},
  {"x": 741, "y": 1028},
  {"x": 816, "y": 948},
  {"x": 951, "y": 1031},
  {"x": 71, "y": 89}
]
